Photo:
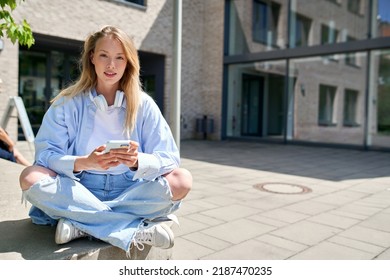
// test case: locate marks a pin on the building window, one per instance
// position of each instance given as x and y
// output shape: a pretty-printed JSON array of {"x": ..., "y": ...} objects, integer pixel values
[
  {"x": 350, "y": 107},
  {"x": 138, "y": 2},
  {"x": 350, "y": 58},
  {"x": 328, "y": 34},
  {"x": 354, "y": 6},
  {"x": 300, "y": 32},
  {"x": 149, "y": 85},
  {"x": 334, "y": 1},
  {"x": 265, "y": 22},
  {"x": 326, "y": 105},
  {"x": 383, "y": 90}
]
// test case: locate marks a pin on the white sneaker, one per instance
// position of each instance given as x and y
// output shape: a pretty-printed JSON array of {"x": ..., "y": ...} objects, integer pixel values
[
  {"x": 66, "y": 232},
  {"x": 157, "y": 235}
]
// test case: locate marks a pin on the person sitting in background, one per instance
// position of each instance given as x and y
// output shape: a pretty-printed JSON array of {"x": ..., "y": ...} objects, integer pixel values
[{"x": 8, "y": 150}]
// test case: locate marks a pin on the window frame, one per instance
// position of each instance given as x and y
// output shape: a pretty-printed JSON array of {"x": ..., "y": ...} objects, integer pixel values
[
  {"x": 351, "y": 57},
  {"x": 329, "y": 111},
  {"x": 137, "y": 2},
  {"x": 347, "y": 112},
  {"x": 270, "y": 24},
  {"x": 354, "y": 8},
  {"x": 302, "y": 26}
]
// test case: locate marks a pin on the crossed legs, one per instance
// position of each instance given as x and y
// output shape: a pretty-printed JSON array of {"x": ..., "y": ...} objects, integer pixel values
[{"x": 180, "y": 179}]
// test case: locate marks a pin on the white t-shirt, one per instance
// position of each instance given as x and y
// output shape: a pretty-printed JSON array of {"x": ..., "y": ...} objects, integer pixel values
[{"x": 107, "y": 126}]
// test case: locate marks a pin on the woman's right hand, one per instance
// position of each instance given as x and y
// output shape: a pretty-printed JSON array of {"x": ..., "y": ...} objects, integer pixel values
[{"x": 97, "y": 160}]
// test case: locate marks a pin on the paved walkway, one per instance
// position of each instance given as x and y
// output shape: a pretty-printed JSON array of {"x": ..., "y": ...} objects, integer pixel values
[
  {"x": 346, "y": 215},
  {"x": 308, "y": 203}
]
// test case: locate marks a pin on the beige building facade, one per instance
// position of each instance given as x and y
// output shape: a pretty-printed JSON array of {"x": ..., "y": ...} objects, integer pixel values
[{"x": 60, "y": 27}]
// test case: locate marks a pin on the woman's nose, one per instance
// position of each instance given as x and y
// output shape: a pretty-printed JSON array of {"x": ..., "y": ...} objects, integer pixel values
[{"x": 110, "y": 63}]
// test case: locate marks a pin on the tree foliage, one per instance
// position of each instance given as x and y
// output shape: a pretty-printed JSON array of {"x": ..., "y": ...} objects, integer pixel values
[{"x": 8, "y": 27}]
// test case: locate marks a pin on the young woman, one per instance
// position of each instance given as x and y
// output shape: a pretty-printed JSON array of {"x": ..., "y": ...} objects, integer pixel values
[{"x": 115, "y": 196}]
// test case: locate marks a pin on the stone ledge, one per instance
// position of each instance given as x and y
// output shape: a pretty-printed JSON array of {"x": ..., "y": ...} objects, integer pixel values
[{"x": 22, "y": 240}]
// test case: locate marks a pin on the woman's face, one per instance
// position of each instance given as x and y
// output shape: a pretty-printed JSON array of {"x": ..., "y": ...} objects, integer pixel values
[{"x": 109, "y": 60}]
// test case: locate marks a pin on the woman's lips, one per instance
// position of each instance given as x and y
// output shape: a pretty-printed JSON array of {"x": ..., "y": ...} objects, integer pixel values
[{"x": 108, "y": 74}]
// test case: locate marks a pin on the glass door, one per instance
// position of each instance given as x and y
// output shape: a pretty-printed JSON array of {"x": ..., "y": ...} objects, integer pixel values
[{"x": 252, "y": 105}]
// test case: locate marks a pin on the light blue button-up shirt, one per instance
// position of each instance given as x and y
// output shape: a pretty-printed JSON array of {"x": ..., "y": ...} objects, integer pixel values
[{"x": 68, "y": 125}]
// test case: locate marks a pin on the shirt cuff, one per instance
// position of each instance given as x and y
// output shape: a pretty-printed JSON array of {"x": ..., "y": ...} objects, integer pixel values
[
  {"x": 148, "y": 167},
  {"x": 64, "y": 165}
]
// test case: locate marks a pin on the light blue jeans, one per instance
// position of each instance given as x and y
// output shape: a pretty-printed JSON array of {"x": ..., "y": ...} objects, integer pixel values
[{"x": 108, "y": 207}]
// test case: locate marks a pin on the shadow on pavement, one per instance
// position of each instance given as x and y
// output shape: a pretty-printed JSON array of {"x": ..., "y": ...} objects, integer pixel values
[{"x": 333, "y": 164}]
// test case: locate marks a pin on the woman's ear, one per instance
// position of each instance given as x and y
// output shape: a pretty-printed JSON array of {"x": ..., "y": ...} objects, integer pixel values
[{"x": 91, "y": 57}]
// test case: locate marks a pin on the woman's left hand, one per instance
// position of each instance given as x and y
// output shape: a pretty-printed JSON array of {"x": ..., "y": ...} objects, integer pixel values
[{"x": 127, "y": 156}]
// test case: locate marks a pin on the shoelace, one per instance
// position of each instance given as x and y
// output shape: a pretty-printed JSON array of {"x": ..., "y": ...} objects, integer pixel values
[
  {"x": 78, "y": 233},
  {"x": 141, "y": 237}
]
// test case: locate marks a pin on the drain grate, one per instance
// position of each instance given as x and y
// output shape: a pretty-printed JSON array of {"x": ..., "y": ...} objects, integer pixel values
[{"x": 282, "y": 188}]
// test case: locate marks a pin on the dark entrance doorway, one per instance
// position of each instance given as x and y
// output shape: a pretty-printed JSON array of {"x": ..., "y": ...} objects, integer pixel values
[{"x": 252, "y": 105}]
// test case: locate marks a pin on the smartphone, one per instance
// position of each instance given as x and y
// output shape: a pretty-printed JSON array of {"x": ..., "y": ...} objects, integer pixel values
[{"x": 115, "y": 144}]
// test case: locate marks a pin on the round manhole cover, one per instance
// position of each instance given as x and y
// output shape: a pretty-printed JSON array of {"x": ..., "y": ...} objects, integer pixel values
[{"x": 282, "y": 188}]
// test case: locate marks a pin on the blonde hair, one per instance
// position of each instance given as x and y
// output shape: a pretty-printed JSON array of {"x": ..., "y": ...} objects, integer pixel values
[{"x": 129, "y": 83}]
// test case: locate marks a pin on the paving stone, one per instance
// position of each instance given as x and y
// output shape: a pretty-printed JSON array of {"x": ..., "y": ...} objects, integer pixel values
[
  {"x": 334, "y": 220},
  {"x": 204, "y": 219},
  {"x": 368, "y": 235},
  {"x": 340, "y": 198},
  {"x": 230, "y": 212},
  {"x": 284, "y": 215},
  {"x": 189, "y": 250},
  {"x": 359, "y": 245},
  {"x": 385, "y": 255},
  {"x": 330, "y": 251},
  {"x": 380, "y": 221},
  {"x": 282, "y": 242},
  {"x": 305, "y": 232},
  {"x": 310, "y": 207},
  {"x": 187, "y": 226},
  {"x": 268, "y": 221},
  {"x": 358, "y": 208},
  {"x": 250, "y": 250},
  {"x": 238, "y": 231},
  {"x": 207, "y": 241}
]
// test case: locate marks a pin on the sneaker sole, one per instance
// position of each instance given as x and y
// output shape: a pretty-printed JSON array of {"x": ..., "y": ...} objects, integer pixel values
[
  {"x": 171, "y": 235},
  {"x": 59, "y": 229}
]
